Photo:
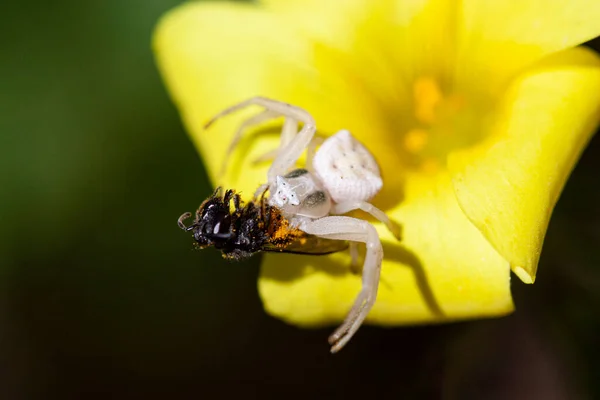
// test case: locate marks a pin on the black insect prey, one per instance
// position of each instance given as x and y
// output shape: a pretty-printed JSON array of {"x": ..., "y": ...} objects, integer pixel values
[{"x": 245, "y": 229}]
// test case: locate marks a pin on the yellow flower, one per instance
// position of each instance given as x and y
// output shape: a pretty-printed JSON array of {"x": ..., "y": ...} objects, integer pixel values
[{"x": 476, "y": 111}]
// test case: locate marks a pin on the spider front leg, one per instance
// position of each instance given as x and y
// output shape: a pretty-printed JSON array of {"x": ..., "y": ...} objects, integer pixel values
[
  {"x": 289, "y": 152},
  {"x": 310, "y": 152},
  {"x": 288, "y": 131},
  {"x": 356, "y": 230},
  {"x": 255, "y": 120}
]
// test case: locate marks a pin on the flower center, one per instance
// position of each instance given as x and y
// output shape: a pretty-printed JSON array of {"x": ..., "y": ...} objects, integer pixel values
[{"x": 441, "y": 122}]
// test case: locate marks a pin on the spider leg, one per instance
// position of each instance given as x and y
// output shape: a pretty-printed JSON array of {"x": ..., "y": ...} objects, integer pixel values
[
  {"x": 353, "y": 249},
  {"x": 310, "y": 153},
  {"x": 311, "y": 150},
  {"x": 255, "y": 120},
  {"x": 357, "y": 230},
  {"x": 347, "y": 206},
  {"x": 289, "y": 130},
  {"x": 288, "y": 153},
  {"x": 269, "y": 155}
]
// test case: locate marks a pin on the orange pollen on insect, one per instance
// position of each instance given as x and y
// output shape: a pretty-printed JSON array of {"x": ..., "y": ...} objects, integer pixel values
[{"x": 280, "y": 232}]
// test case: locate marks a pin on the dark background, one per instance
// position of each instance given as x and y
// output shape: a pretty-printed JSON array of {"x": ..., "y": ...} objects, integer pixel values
[{"x": 102, "y": 297}]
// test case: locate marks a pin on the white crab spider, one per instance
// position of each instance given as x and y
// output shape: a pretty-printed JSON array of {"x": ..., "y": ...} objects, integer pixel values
[{"x": 340, "y": 177}]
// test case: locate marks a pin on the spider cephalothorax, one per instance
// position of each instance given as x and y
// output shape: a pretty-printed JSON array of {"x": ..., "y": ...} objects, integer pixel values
[{"x": 302, "y": 212}]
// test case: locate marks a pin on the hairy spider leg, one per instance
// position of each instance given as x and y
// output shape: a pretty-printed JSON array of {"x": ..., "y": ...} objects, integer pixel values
[{"x": 356, "y": 230}]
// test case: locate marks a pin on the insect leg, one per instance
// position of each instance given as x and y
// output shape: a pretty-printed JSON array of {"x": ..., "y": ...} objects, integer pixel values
[
  {"x": 260, "y": 191},
  {"x": 229, "y": 195},
  {"x": 237, "y": 203},
  {"x": 183, "y": 217}
]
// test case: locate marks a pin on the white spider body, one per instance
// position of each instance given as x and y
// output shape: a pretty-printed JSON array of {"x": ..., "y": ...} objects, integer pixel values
[
  {"x": 300, "y": 193},
  {"x": 347, "y": 169},
  {"x": 340, "y": 177}
]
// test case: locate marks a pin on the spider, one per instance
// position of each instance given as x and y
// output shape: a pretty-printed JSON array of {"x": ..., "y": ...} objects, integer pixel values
[{"x": 302, "y": 212}]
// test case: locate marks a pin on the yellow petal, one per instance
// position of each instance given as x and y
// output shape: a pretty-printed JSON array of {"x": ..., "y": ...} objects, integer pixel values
[
  {"x": 208, "y": 67},
  {"x": 509, "y": 185},
  {"x": 443, "y": 270},
  {"x": 410, "y": 37},
  {"x": 213, "y": 55},
  {"x": 499, "y": 38}
]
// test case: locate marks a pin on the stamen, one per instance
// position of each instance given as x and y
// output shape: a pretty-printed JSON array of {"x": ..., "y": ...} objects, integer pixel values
[
  {"x": 440, "y": 123},
  {"x": 415, "y": 140},
  {"x": 427, "y": 95},
  {"x": 430, "y": 165}
]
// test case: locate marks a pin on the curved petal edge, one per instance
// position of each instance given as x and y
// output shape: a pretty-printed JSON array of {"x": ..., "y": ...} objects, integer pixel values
[{"x": 509, "y": 185}]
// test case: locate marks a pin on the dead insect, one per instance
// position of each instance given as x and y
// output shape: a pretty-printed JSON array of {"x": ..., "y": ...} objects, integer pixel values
[
  {"x": 242, "y": 230},
  {"x": 302, "y": 211}
]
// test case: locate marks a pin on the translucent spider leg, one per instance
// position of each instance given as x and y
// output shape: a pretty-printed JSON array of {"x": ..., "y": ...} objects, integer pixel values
[
  {"x": 345, "y": 207},
  {"x": 255, "y": 120},
  {"x": 357, "y": 230},
  {"x": 288, "y": 154},
  {"x": 353, "y": 249},
  {"x": 289, "y": 130},
  {"x": 311, "y": 150}
]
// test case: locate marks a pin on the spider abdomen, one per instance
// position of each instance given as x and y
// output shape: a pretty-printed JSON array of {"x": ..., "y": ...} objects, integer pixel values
[{"x": 347, "y": 169}]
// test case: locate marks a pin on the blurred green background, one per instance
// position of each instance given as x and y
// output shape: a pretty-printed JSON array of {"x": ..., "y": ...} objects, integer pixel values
[{"x": 101, "y": 295}]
